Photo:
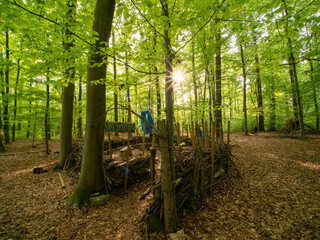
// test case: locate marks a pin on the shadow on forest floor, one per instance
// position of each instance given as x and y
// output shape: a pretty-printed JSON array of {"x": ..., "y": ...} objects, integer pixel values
[{"x": 277, "y": 198}]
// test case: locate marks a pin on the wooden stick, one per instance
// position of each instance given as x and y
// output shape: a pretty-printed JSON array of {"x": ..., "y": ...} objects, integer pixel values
[
  {"x": 61, "y": 180},
  {"x": 109, "y": 143},
  {"x": 178, "y": 133},
  {"x": 153, "y": 141},
  {"x": 144, "y": 138},
  {"x": 153, "y": 152},
  {"x": 228, "y": 136},
  {"x": 193, "y": 137},
  {"x": 206, "y": 135},
  {"x": 213, "y": 138},
  {"x": 127, "y": 166}
]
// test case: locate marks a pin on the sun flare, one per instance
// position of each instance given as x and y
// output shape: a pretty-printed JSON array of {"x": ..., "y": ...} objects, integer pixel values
[{"x": 178, "y": 77}]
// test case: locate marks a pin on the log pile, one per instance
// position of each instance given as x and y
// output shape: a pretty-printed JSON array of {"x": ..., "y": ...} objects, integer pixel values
[
  {"x": 291, "y": 127},
  {"x": 193, "y": 174},
  {"x": 138, "y": 167}
]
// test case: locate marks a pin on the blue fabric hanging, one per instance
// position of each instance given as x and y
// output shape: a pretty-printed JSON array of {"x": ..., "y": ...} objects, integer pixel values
[{"x": 147, "y": 115}]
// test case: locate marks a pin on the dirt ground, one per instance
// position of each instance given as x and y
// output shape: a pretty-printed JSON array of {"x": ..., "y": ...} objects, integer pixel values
[{"x": 276, "y": 197}]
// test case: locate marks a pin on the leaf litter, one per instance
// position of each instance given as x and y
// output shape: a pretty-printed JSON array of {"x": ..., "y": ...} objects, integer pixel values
[{"x": 276, "y": 198}]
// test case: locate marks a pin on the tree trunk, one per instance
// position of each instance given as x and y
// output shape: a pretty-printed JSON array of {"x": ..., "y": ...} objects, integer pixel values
[
  {"x": 195, "y": 88},
  {"x": 80, "y": 110},
  {"x": 245, "y": 120},
  {"x": 294, "y": 76},
  {"x": 259, "y": 97},
  {"x": 15, "y": 103},
  {"x": 272, "y": 107},
  {"x": 218, "y": 98},
  {"x": 92, "y": 175},
  {"x": 116, "y": 117},
  {"x": 6, "y": 96},
  {"x": 314, "y": 94},
  {"x": 67, "y": 92},
  {"x": 128, "y": 93},
  {"x": 46, "y": 118},
  {"x": 168, "y": 165},
  {"x": 2, "y": 146},
  {"x": 158, "y": 92},
  {"x": 29, "y": 117}
]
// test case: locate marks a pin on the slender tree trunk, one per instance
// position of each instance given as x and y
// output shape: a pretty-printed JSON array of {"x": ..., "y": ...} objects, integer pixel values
[
  {"x": 293, "y": 71},
  {"x": 80, "y": 109},
  {"x": 218, "y": 98},
  {"x": 213, "y": 98},
  {"x": 2, "y": 146},
  {"x": 29, "y": 117},
  {"x": 168, "y": 165},
  {"x": 6, "y": 96},
  {"x": 314, "y": 94},
  {"x": 116, "y": 116},
  {"x": 195, "y": 88},
  {"x": 259, "y": 97},
  {"x": 272, "y": 106},
  {"x": 15, "y": 103},
  {"x": 245, "y": 120},
  {"x": 92, "y": 178},
  {"x": 35, "y": 125},
  {"x": 158, "y": 92},
  {"x": 128, "y": 93},
  {"x": 46, "y": 118},
  {"x": 67, "y": 92}
]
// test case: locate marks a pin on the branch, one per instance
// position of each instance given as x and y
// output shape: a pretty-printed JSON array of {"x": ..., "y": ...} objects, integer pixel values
[
  {"x": 147, "y": 19},
  {"x": 209, "y": 20},
  {"x": 154, "y": 130},
  {"x": 82, "y": 39}
]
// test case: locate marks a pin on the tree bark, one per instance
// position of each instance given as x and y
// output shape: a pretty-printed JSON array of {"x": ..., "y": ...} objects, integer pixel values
[
  {"x": 6, "y": 96},
  {"x": 245, "y": 117},
  {"x": 29, "y": 117},
  {"x": 66, "y": 121},
  {"x": 2, "y": 146},
  {"x": 272, "y": 106},
  {"x": 15, "y": 103},
  {"x": 92, "y": 175},
  {"x": 314, "y": 94},
  {"x": 218, "y": 98},
  {"x": 168, "y": 165},
  {"x": 46, "y": 118},
  {"x": 80, "y": 109},
  {"x": 298, "y": 110},
  {"x": 259, "y": 97},
  {"x": 195, "y": 88},
  {"x": 158, "y": 92},
  {"x": 116, "y": 116}
]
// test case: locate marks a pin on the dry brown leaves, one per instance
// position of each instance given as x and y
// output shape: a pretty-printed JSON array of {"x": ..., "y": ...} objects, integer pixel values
[{"x": 278, "y": 197}]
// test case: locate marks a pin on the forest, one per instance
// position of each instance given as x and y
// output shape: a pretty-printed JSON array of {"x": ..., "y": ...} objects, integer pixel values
[{"x": 170, "y": 102}]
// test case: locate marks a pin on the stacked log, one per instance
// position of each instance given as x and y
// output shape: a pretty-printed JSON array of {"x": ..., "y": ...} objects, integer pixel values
[
  {"x": 193, "y": 180},
  {"x": 138, "y": 169}
]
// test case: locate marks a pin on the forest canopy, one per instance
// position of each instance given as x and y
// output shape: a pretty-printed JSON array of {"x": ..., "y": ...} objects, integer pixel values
[{"x": 268, "y": 65}]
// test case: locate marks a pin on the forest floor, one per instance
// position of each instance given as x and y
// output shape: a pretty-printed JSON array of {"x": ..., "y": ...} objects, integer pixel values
[{"x": 277, "y": 197}]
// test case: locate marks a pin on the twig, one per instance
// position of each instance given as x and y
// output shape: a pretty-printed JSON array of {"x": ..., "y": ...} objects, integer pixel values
[{"x": 61, "y": 180}]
